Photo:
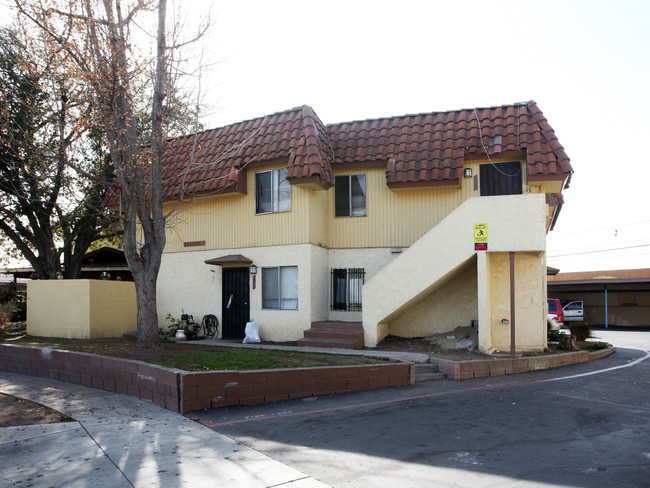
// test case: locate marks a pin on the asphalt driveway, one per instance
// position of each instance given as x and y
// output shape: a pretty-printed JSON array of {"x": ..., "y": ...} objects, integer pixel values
[{"x": 585, "y": 425}]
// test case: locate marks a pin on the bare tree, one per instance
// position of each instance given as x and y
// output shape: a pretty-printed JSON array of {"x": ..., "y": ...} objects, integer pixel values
[{"x": 97, "y": 36}]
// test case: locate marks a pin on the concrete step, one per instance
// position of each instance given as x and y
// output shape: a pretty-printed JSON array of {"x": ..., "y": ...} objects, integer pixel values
[
  {"x": 343, "y": 335},
  {"x": 358, "y": 326},
  {"x": 427, "y": 372},
  {"x": 333, "y": 334},
  {"x": 330, "y": 343}
]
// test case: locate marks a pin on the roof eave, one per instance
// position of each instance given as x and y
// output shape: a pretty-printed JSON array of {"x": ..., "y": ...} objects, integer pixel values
[
  {"x": 314, "y": 182},
  {"x": 421, "y": 185}
]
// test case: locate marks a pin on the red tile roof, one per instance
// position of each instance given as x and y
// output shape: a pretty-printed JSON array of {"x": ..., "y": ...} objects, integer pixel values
[
  {"x": 211, "y": 161},
  {"x": 432, "y": 147},
  {"x": 426, "y": 148}
]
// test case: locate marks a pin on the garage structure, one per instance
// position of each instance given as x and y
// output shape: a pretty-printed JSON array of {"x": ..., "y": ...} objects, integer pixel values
[{"x": 611, "y": 298}]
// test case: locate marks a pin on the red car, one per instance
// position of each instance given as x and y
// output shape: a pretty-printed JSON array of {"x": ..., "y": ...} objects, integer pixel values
[{"x": 555, "y": 311}]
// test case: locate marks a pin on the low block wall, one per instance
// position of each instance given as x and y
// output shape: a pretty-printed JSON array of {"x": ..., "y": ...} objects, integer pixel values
[
  {"x": 225, "y": 388},
  {"x": 184, "y": 392},
  {"x": 134, "y": 378},
  {"x": 81, "y": 309},
  {"x": 461, "y": 370}
]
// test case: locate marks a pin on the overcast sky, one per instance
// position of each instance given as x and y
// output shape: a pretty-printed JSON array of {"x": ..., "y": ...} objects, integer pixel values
[{"x": 585, "y": 63}]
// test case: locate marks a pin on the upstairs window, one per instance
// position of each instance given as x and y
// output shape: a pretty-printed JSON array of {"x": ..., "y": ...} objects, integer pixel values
[
  {"x": 346, "y": 289},
  {"x": 501, "y": 179},
  {"x": 350, "y": 196},
  {"x": 272, "y": 192}
]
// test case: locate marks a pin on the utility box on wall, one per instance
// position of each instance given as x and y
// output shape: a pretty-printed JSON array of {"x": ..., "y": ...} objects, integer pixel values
[{"x": 80, "y": 309}]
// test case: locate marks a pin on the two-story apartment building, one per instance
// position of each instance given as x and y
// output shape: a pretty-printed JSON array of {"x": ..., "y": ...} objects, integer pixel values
[{"x": 290, "y": 221}]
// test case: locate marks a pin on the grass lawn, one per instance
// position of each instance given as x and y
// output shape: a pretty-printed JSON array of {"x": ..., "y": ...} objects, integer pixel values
[{"x": 189, "y": 357}]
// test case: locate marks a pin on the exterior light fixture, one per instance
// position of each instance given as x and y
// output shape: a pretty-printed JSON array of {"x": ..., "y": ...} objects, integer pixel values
[
  {"x": 468, "y": 172},
  {"x": 253, "y": 270}
]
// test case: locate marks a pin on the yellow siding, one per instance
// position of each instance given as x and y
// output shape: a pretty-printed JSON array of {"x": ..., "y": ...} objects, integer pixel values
[
  {"x": 318, "y": 224},
  {"x": 393, "y": 218},
  {"x": 230, "y": 222}
]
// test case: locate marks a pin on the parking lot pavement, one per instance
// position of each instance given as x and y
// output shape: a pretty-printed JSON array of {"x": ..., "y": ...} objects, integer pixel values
[{"x": 584, "y": 425}]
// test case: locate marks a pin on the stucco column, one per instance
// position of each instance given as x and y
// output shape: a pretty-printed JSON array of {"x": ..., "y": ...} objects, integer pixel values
[{"x": 483, "y": 290}]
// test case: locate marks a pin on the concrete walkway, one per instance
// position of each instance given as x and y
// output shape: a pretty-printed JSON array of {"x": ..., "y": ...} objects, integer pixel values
[
  {"x": 120, "y": 441},
  {"x": 410, "y": 357}
]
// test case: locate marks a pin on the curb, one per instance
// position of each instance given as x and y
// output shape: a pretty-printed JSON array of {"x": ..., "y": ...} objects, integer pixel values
[{"x": 481, "y": 368}]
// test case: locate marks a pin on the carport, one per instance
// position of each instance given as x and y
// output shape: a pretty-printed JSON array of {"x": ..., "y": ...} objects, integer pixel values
[{"x": 611, "y": 298}]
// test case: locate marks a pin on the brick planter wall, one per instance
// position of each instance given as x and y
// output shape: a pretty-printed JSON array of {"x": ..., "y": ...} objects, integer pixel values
[
  {"x": 225, "y": 388},
  {"x": 461, "y": 370},
  {"x": 184, "y": 392},
  {"x": 134, "y": 378}
]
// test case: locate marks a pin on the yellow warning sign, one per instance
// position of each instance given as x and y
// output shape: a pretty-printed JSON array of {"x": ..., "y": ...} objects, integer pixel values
[{"x": 480, "y": 237}]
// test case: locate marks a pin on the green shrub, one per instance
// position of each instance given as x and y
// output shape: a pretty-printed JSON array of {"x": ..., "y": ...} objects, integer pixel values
[
  {"x": 581, "y": 330},
  {"x": 597, "y": 346},
  {"x": 554, "y": 335}
]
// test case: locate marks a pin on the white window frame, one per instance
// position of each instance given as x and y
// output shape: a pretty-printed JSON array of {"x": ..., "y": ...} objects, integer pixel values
[
  {"x": 284, "y": 291},
  {"x": 351, "y": 212},
  {"x": 280, "y": 186}
]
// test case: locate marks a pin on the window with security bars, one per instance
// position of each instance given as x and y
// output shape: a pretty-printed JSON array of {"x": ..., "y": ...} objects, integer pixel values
[{"x": 346, "y": 289}]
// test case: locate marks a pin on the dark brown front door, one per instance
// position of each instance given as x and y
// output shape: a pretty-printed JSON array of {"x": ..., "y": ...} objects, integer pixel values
[
  {"x": 235, "y": 309},
  {"x": 501, "y": 179}
]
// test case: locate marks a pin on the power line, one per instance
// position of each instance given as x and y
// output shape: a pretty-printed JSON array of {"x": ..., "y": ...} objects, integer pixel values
[
  {"x": 584, "y": 248},
  {"x": 609, "y": 227},
  {"x": 600, "y": 250}
]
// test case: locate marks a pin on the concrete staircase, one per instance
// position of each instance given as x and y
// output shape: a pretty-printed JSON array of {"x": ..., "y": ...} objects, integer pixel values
[
  {"x": 342, "y": 335},
  {"x": 427, "y": 372},
  {"x": 516, "y": 223}
]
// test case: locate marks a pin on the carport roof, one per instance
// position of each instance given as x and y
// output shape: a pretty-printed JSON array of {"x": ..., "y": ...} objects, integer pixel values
[{"x": 598, "y": 285}]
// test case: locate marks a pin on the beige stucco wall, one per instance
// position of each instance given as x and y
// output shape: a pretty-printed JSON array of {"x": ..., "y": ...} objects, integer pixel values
[
  {"x": 530, "y": 303},
  {"x": 186, "y": 282},
  {"x": 371, "y": 260},
  {"x": 453, "y": 304},
  {"x": 515, "y": 223},
  {"x": 80, "y": 308}
]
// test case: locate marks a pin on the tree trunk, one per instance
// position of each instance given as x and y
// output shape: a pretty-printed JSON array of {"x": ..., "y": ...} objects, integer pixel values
[
  {"x": 568, "y": 343},
  {"x": 145, "y": 285},
  {"x": 146, "y": 264}
]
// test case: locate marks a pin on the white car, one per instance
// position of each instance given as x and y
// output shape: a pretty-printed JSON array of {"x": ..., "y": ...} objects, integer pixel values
[
  {"x": 552, "y": 318},
  {"x": 573, "y": 311}
]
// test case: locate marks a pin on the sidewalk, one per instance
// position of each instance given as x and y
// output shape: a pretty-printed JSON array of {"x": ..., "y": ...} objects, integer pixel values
[
  {"x": 409, "y": 357},
  {"x": 121, "y": 441}
]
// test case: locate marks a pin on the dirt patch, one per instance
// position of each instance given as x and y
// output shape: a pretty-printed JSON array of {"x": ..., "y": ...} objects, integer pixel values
[
  {"x": 437, "y": 346},
  {"x": 17, "y": 411}
]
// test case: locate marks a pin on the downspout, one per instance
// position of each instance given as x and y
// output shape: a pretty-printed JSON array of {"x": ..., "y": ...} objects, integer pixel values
[
  {"x": 556, "y": 214},
  {"x": 512, "y": 303},
  {"x": 606, "y": 312}
]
